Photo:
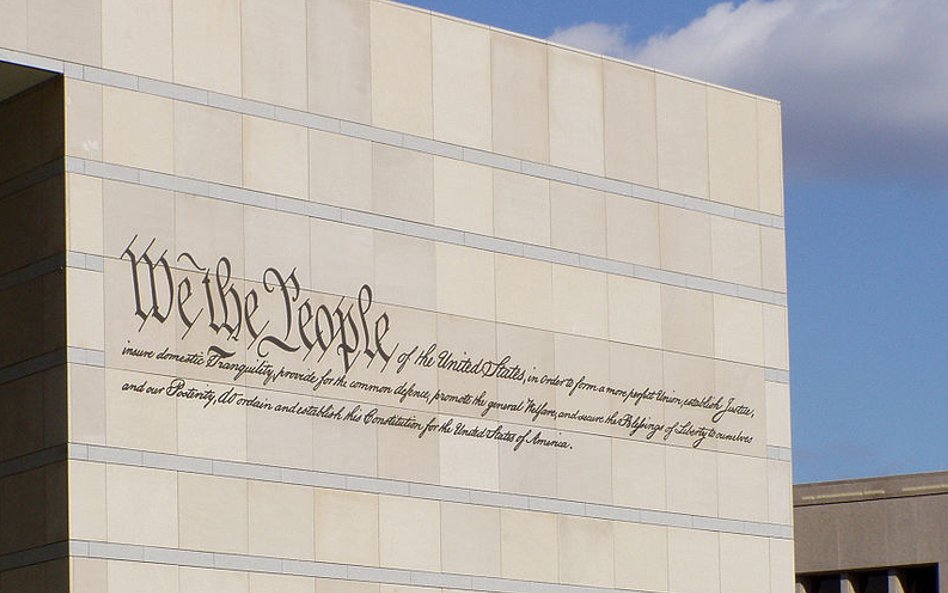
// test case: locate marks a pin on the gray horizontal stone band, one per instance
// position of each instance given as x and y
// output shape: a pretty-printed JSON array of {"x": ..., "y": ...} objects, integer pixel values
[
  {"x": 48, "y": 360},
  {"x": 34, "y": 460},
  {"x": 36, "y": 555},
  {"x": 777, "y": 375},
  {"x": 239, "y": 469},
  {"x": 415, "y": 229},
  {"x": 779, "y": 453},
  {"x": 36, "y": 175},
  {"x": 383, "y": 136},
  {"x": 310, "y": 568},
  {"x": 32, "y": 271}
]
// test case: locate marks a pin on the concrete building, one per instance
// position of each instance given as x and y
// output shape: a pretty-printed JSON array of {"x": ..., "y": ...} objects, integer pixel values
[
  {"x": 873, "y": 535},
  {"x": 345, "y": 296}
]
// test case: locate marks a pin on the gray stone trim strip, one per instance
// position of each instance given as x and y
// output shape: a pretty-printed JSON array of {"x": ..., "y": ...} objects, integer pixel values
[
  {"x": 35, "y": 175},
  {"x": 779, "y": 453},
  {"x": 777, "y": 375},
  {"x": 37, "y": 555},
  {"x": 323, "y": 123},
  {"x": 415, "y": 229},
  {"x": 32, "y": 271},
  {"x": 30, "y": 366},
  {"x": 269, "y": 473},
  {"x": 311, "y": 568},
  {"x": 48, "y": 360},
  {"x": 34, "y": 460}
]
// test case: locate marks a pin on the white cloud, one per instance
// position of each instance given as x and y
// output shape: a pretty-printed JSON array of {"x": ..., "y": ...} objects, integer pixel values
[{"x": 864, "y": 83}]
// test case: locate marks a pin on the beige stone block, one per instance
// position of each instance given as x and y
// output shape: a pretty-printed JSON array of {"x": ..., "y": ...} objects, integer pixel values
[
  {"x": 87, "y": 501},
  {"x": 85, "y": 316},
  {"x": 580, "y": 302},
  {"x": 213, "y": 513},
  {"x": 584, "y": 472},
  {"x": 345, "y": 448},
  {"x": 693, "y": 562},
  {"x": 30, "y": 517},
  {"x": 732, "y": 143},
  {"x": 84, "y": 213},
  {"x": 682, "y": 132},
  {"x": 519, "y": 91},
  {"x": 137, "y": 130},
  {"x": 409, "y": 533},
  {"x": 15, "y": 25},
  {"x": 688, "y": 322},
  {"x": 401, "y": 68},
  {"x": 586, "y": 551},
  {"x": 778, "y": 414},
  {"x": 273, "y": 530},
  {"x": 341, "y": 257},
  {"x": 340, "y": 170},
  {"x": 136, "y": 37},
  {"x": 745, "y": 384},
  {"x": 742, "y": 488},
  {"x": 773, "y": 255},
  {"x": 530, "y": 469},
  {"x": 142, "y": 577},
  {"x": 21, "y": 417},
  {"x": 339, "y": 59},
  {"x": 72, "y": 31},
  {"x": 402, "y": 183},
  {"x": 274, "y": 33},
  {"x": 280, "y": 439},
  {"x": 278, "y": 583},
  {"x": 528, "y": 545},
  {"x": 688, "y": 376},
  {"x": 462, "y": 338},
  {"x": 577, "y": 219},
  {"x": 470, "y": 463},
  {"x": 521, "y": 208},
  {"x": 776, "y": 346},
  {"x": 275, "y": 157},
  {"x": 641, "y": 553},
  {"x": 342, "y": 586},
  {"x": 205, "y": 243},
  {"x": 735, "y": 251},
  {"x": 131, "y": 209},
  {"x": 207, "y": 144},
  {"x": 461, "y": 82},
  {"x": 632, "y": 230},
  {"x": 137, "y": 420},
  {"x": 83, "y": 119},
  {"x": 347, "y": 527},
  {"x": 745, "y": 563},
  {"x": 405, "y": 271},
  {"x": 685, "y": 240},
  {"x": 576, "y": 110},
  {"x": 524, "y": 291},
  {"x": 780, "y": 492},
  {"x": 781, "y": 566},
  {"x": 142, "y": 506},
  {"x": 769, "y": 156},
  {"x": 738, "y": 330},
  {"x": 470, "y": 539},
  {"x": 266, "y": 235},
  {"x": 638, "y": 474},
  {"x": 204, "y": 580},
  {"x": 463, "y": 196},
  {"x": 86, "y": 404},
  {"x": 89, "y": 575},
  {"x": 207, "y": 48},
  {"x": 630, "y": 123},
  {"x": 691, "y": 481},
  {"x": 635, "y": 311},
  {"x": 407, "y": 455}
]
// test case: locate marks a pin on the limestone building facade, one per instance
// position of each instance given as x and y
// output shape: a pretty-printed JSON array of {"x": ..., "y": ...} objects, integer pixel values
[{"x": 343, "y": 296}]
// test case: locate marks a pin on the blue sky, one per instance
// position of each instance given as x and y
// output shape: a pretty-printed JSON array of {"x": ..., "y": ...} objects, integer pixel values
[{"x": 863, "y": 85}]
